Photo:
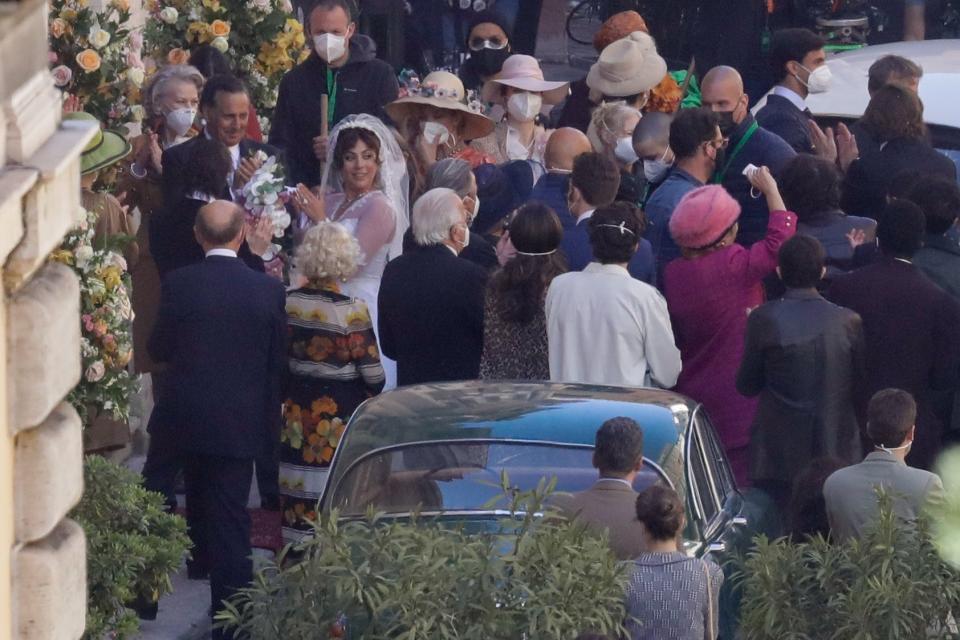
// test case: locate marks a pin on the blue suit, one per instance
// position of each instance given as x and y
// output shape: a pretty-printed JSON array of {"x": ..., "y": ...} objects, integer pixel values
[
  {"x": 575, "y": 245},
  {"x": 551, "y": 190},
  {"x": 660, "y": 207}
]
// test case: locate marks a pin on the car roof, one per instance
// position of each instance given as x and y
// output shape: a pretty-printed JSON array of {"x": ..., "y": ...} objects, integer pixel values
[
  {"x": 939, "y": 87},
  {"x": 528, "y": 411}
]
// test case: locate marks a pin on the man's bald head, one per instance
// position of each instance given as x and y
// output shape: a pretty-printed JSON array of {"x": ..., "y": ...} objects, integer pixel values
[
  {"x": 219, "y": 224},
  {"x": 722, "y": 90},
  {"x": 651, "y": 138},
  {"x": 563, "y": 147}
]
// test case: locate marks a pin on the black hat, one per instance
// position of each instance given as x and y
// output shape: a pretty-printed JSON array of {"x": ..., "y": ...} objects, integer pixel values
[{"x": 501, "y": 189}]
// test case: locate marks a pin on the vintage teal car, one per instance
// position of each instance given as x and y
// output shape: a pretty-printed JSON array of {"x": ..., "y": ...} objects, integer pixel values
[{"x": 441, "y": 448}]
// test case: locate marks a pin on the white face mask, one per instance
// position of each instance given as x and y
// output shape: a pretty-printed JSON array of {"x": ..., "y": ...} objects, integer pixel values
[
  {"x": 435, "y": 133},
  {"x": 624, "y": 151},
  {"x": 330, "y": 46},
  {"x": 524, "y": 107},
  {"x": 180, "y": 120},
  {"x": 476, "y": 208},
  {"x": 654, "y": 170},
  {"x": 819, "y": 79},
  {"x": 466, "y": 236}
]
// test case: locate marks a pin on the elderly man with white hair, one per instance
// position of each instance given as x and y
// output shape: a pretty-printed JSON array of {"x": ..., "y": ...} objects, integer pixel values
[{"x": 431, "y": 300}]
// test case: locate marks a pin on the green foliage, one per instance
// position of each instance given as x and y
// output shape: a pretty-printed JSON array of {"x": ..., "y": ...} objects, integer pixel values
[
  {"x": 419, "y": 580},
  {"x": 891, "y": 584},
  {"x": 133, "y": 546},
  {"x": 945, "y": 515}
]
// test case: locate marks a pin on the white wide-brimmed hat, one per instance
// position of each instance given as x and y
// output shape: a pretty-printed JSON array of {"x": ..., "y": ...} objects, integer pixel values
[
  {"x": 627, "y": 67},
  {"x": 523, "y": 72},
  {"x": 443, "y": 90}
]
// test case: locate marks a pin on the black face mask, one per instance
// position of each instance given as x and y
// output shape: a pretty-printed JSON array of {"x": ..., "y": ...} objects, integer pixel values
[
  {"x": 720, "y": 158},
  {"x": 488, "y": 62},
  {"x": 725, "y": 122}
]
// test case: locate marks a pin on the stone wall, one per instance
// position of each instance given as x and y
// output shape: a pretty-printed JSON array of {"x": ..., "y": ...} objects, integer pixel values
[{"x": 43, "y": 562}]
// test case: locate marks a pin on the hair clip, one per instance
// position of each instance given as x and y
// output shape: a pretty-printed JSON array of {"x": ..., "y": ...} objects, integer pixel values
[
  {"x": 622, "y": 226},
  {"x": 528, "y": 253}
]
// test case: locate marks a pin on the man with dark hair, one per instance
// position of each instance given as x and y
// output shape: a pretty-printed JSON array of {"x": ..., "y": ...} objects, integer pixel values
[
  {"x": 698, "y": 146},
  {"x": 609, "y": 505},
  {"x": 912, "y": 327},
  {"x": 802, "y": 356},
  {"x": 594, "y": 182},
  {"x": 850, "y": 493},
  {"x": 221, "y": 330},
  {"x": 939, "y": 258},
  {"x": 342, "y": 66},
  {"x": 225, "y": 105},
  {"x": 889, "y": 69},
  {"x": 799, "y": 61}
]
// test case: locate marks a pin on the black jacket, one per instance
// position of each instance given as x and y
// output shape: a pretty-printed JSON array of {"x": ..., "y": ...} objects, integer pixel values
[
  {"x": 782, "y": 117},
  {"x": 431, "y": 316},
  {"x": 176, "y": 160},
  {"x": 865, "y": 186},
  {"x": 364, "y": 85},
  {"x": 912, "y": 331},
  {"x": 803, "y": 356},
  {"x": 222, "y": 329}
]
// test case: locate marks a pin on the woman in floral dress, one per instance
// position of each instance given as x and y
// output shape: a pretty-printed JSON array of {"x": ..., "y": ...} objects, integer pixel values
[{"x": 334, "y": 365}]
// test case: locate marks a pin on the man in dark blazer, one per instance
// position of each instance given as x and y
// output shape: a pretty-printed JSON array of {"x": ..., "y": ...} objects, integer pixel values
[
  {"x": 803, "y": 356},
  {"x": 911, "y": 327},
  {"x": 225, "y": 105},
  {"x": 796, "y": 57},
  {"x": 431, "y": 300},
  {"x": 221, "y": 331},
  {"x": 611, "y": 503}
]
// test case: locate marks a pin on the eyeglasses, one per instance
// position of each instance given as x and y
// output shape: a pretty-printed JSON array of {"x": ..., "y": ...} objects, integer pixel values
[
  {"x": 721, "y": 143},
  {"x": 496, "y": 43}
]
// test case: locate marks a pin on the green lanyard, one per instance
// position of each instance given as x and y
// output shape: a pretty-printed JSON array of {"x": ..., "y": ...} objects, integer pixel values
[
  {"x": 331, "y": 95},
  {"x": 720, "y": 175}
]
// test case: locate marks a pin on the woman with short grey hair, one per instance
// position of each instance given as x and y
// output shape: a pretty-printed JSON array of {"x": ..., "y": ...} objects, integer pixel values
[
  {"x": 333, "y": 364},
  {"x": 457, "y": 175}
]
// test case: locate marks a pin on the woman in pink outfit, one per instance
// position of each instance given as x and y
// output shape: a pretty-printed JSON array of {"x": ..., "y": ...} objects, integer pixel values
[{"x": 710, "y": 290}]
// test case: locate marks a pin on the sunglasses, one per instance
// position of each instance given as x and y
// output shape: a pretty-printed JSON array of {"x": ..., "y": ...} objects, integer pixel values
[{"x": 496, "y": 43}]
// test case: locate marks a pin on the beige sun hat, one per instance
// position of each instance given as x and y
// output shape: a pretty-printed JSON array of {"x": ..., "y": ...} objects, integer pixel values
[
  {"x": 627, "y": 67},
  {"x": 443, "y": 90},
  {"x": 523, "y": 72}
]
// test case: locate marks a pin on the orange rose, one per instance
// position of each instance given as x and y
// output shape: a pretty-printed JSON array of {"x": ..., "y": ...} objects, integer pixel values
[
  {"x": 219, "y": 29},
  {"x": 58, "y": 27},
  {"x": 121, "y": 5},
  {"x": 178, "y": 56},
  {"x": 89, "y": 60}
]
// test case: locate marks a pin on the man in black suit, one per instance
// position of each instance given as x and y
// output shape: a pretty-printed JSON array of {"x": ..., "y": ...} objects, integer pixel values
[
  {"x": 431, "y": 300},
  {"x": 799, "y": 62},
  {"x": 911, "y": 327},
  {"x": 221, "y": 332},
  {"x": 225, "y": 105}
]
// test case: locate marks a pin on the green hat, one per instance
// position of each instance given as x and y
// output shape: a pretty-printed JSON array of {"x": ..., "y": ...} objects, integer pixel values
[{"x": 105, "y": 149}]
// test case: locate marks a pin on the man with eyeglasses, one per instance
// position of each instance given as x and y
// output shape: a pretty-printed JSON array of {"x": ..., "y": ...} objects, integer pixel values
[{"x": 748, "y": 143}]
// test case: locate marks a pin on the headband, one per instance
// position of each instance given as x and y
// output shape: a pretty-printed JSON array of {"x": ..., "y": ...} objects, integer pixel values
[{"x": 544, "y": 253}]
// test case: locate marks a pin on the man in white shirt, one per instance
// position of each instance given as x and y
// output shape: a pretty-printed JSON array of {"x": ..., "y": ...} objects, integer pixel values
[{"x": 603, "y": 326}]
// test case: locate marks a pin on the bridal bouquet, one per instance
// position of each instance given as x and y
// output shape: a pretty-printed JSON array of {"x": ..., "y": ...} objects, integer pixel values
[{"x": 266, "y": 195}]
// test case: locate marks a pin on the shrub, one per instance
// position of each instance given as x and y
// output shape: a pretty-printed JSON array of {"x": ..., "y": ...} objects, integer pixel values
[
  {"x": 133, "y": 546},
  {"x": 416, "y": 579},
  {"x": 890, "y": 584}
]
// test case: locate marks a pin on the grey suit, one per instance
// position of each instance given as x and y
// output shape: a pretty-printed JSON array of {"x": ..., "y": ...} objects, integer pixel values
[
  {"x": 608, "y": 505},
  {"x": 851, "y": 499}
]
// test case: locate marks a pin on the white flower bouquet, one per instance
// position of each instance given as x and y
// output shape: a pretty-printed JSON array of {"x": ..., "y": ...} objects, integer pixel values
[{"x": 266, "y": 195}]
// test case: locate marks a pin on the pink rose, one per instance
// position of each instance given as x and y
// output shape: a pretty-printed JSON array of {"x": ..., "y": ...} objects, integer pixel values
[
  {"x": 133, "y": 60},
  {"x": 136, "y": 41},
  {"x": 52, "y": 57},
  {"x": 62, "y": 75}
]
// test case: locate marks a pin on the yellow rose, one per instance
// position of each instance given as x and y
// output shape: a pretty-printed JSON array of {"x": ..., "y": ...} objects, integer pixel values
[
  {"x": 213, "y": 5},
  {"x": 121, "y": 5},
  {"x": 58, "y": 27},
  {"x": 178, "y": 56},
  {"x": 89, "y": 60},
  {"x": 196, "y": 31},
  {"x": 220, "y": 29},
  {"x": 63, "y": 256},
  {"x": 69, "y": 15},
  {"x": 111, "y": 277}
]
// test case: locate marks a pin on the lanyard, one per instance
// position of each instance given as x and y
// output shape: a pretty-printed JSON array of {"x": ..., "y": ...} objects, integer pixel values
[
  {"x": 331, "y": 95},
  {"x": 720, "y": 175}
]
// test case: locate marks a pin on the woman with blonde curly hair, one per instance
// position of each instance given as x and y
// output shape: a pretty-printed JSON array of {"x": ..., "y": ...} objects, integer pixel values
[
  {"x": 611, "y": 134},
  {"x": 334, "y": 365}
]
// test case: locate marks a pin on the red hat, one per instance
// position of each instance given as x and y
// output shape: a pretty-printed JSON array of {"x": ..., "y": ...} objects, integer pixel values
[{"x": 703, "y": 216}]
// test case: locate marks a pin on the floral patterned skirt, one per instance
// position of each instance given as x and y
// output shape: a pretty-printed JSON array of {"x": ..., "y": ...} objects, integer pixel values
[{"x": 315, "y": 414}]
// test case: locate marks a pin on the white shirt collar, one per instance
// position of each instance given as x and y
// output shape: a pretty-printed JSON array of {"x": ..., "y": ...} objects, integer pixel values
[
  {"x": 585, "y": 215},
  {"x": 611, "y": 269},
  {"x": 621, "y": 480},
  {"x": 790, "y": 95},
  {"x": 234, "y": 150},
  {"x": 225, "y": 253},
  {"x": 200, "y": 195}
]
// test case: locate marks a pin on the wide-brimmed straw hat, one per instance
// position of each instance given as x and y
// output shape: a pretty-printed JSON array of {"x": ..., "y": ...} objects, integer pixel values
[
  {"x": 627, "y": 67},
  {"x": 443, "y": 90},
  {"x": 105, "y": 149},
  {"x": 523, "y": 72}
]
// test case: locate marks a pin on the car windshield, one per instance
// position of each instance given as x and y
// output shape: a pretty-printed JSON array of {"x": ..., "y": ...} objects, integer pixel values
[{"x": 463, "y": 476}]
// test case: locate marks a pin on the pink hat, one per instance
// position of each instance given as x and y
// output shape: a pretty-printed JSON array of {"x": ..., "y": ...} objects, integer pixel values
[
  {"x": 703, "y": 216},
  {"x": 523, "y": 72}
]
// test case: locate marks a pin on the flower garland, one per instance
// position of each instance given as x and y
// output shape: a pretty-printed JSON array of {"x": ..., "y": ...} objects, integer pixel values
[
  {"x": 95, "y": 57},
  {"x": 260, "y": 38},
  {"x": 106, "y": 345}
]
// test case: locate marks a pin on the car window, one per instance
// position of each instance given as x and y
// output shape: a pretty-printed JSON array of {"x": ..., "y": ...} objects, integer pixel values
[
  {"x": 716, "y": 459},
  {"x": 462, "y": 475},
  {"x": 703, "y": 489}
]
